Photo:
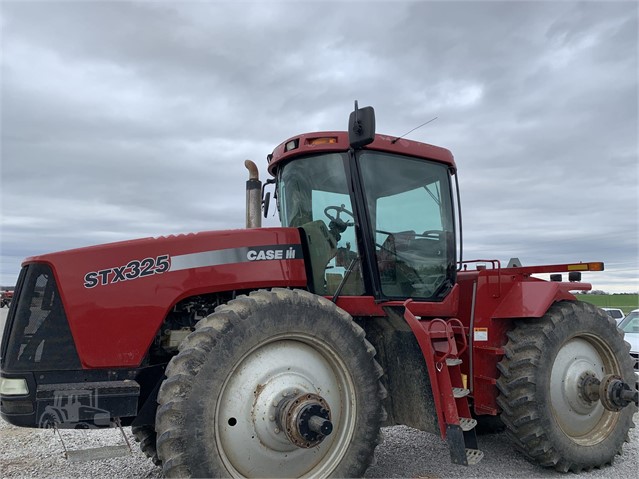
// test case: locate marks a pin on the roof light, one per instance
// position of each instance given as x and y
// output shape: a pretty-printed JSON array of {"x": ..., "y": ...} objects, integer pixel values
[
  {"x": 322, "y": 140},
  {"x": 292, "y": 145}
]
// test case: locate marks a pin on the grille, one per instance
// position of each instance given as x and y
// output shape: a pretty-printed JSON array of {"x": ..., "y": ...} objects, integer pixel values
[
  {"x": 635, "y": 361},
  {"x": 39, "y": 338}
]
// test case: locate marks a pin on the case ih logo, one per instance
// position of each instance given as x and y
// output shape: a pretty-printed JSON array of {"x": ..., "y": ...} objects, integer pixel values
[{"x": 262, "y": 254}]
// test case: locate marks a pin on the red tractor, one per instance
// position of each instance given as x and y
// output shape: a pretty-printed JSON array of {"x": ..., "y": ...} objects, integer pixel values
[
  {"x": 5, "y": 298},
  {"x": 281, "y": 352}
]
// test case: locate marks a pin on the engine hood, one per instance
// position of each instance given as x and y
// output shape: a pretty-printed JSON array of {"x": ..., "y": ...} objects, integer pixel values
[{"x": 117, "y": 295}]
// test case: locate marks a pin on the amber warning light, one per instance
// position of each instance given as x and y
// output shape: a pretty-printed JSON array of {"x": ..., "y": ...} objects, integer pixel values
[
  {"x": 324, "y": 140},
  {"x": 586, "y": 267}
]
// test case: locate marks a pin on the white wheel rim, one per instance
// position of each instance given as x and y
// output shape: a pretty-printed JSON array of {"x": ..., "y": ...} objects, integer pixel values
[
  {"x": 248, "y": 438},
  {"x": 585, "y": 422}
]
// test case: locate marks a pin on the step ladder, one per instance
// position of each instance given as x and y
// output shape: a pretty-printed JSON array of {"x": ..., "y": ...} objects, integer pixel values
[
  {"x": 96, "y": 453},
  {"x": 443, "y": 342}
]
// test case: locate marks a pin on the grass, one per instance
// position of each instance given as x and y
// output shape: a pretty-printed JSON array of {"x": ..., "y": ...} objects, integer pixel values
[{"x": 625, "y": 302}]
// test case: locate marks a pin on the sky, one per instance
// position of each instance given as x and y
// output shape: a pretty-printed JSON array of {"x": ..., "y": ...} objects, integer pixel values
[{"x": 123, "y": 119}]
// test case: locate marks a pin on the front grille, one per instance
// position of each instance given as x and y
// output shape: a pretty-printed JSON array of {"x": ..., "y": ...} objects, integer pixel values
[
  {"x": 39, "y": 334},
  {"x": 635, "y": 361}
]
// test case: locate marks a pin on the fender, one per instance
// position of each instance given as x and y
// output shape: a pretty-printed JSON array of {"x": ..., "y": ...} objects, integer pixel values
[
  {"x": 531, "y": 299},
  {"x": 493, "y": 299}
]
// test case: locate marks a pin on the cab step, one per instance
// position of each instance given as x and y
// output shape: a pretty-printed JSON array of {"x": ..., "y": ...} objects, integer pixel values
[
  {"x": 443, "y": 342},
  {"x": 96, "y": 453},
  {"x": 473, "y": 456},
  {"x": 467, "y": 423},
  {"x": 460, "y": 392}
]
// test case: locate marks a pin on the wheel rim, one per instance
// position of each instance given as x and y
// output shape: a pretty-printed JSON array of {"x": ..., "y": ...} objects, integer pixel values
[
  {"x": 586, "y": 422},
  {"x": 248, "y": 436}
]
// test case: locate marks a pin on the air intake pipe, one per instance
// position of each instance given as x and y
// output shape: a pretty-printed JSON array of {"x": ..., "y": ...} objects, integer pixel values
[{"x": 253, "y": 196}]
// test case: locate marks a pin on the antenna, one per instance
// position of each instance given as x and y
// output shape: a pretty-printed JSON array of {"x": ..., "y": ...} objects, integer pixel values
[{"x": 423, "y": 124}]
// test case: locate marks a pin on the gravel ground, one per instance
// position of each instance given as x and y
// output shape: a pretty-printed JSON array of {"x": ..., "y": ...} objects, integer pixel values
[{"x": 405, "y": 452}]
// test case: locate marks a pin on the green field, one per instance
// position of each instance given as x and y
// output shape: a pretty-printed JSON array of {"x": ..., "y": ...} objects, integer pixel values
[{"x": 625, "y": 302}]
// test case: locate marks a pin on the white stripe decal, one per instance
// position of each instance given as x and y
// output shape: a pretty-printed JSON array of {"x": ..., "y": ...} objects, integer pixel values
[
  {"x": 208, "y": 258},
  {"x": 235, "y": 255}
]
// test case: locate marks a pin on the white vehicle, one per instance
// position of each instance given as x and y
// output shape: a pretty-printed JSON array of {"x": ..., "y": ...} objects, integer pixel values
[
  {"x": 615, "y": 313},
  {"x": 630, "y": 327}
]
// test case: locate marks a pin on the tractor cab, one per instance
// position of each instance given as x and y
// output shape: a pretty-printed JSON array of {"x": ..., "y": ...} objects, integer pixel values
[{"x": 377, "y": 212}]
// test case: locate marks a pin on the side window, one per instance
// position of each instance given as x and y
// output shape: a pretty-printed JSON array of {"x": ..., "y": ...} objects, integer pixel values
[{"x": 313, "y": 191}]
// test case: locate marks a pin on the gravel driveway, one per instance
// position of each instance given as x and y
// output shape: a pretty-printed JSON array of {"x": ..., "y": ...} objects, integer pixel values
[{"x": 405, "y": 452}]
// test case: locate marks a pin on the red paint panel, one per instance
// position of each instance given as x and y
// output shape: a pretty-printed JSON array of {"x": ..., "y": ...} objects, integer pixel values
[
  {"x": 360, "y": 305},
  {"x": 113, "y": 324},
  {"x": 527, "y": 300}
]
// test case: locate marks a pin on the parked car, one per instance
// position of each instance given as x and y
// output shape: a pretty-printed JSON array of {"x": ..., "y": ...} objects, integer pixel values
[
  {"x": 5, "y": 298},
  {"x": 615, "y": 313},
  {"x": 630, "y": 327}
]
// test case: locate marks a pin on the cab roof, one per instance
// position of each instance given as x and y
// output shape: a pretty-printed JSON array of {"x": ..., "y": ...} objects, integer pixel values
[{"x": 336, "y": 141}]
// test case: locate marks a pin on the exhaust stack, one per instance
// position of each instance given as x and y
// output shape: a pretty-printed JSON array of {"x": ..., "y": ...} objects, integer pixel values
[{"x": 253, "y": 196}]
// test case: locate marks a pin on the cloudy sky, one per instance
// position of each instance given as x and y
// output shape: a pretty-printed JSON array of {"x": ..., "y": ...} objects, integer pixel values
[{"x": 132, "y": 119}]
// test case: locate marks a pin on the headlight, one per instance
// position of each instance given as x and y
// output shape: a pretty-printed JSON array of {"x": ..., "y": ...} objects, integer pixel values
[{"x": 13, "y": 386}]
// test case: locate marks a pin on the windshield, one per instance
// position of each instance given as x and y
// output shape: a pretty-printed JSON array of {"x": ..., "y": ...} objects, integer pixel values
[
  {"x": 410, "y": 207},
  {"x": 630, "y": 324}
]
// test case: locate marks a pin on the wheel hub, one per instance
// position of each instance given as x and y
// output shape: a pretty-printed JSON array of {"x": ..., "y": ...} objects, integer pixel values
[
  {"x": 251, "y": 432},
  {"x": 612, "y": 391},
  {"x": 576, "y": 368},
  {"x": 306, "y": 420}
]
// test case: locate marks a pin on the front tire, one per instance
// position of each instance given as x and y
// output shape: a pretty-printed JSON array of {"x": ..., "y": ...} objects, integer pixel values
[
  {"x": 147, "y": 437},
  {"x": 223, "y": 407},
  {"x": 541, "y": 387}
]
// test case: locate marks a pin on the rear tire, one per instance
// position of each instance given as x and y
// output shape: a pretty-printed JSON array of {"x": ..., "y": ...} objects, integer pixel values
[
  {"x": 546, "y": 415},
  {"x": 218, "y": 410}
]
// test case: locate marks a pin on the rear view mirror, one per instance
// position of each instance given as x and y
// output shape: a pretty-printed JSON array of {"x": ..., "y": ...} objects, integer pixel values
[
  {"x": 266, "y": 203},
  {"x": 266, "y": 196},
  {"x": 361, "y": 126}
]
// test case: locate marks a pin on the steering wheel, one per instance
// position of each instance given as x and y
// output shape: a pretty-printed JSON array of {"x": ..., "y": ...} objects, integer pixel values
[
  {"x": 337, "y": 225},
  {"x": 339, "y": 210}
]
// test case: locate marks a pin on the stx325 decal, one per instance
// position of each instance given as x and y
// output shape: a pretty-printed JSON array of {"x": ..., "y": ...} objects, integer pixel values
[
  {"x": 165, "y": 263},
  {"x": 132, "y": 270}
]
